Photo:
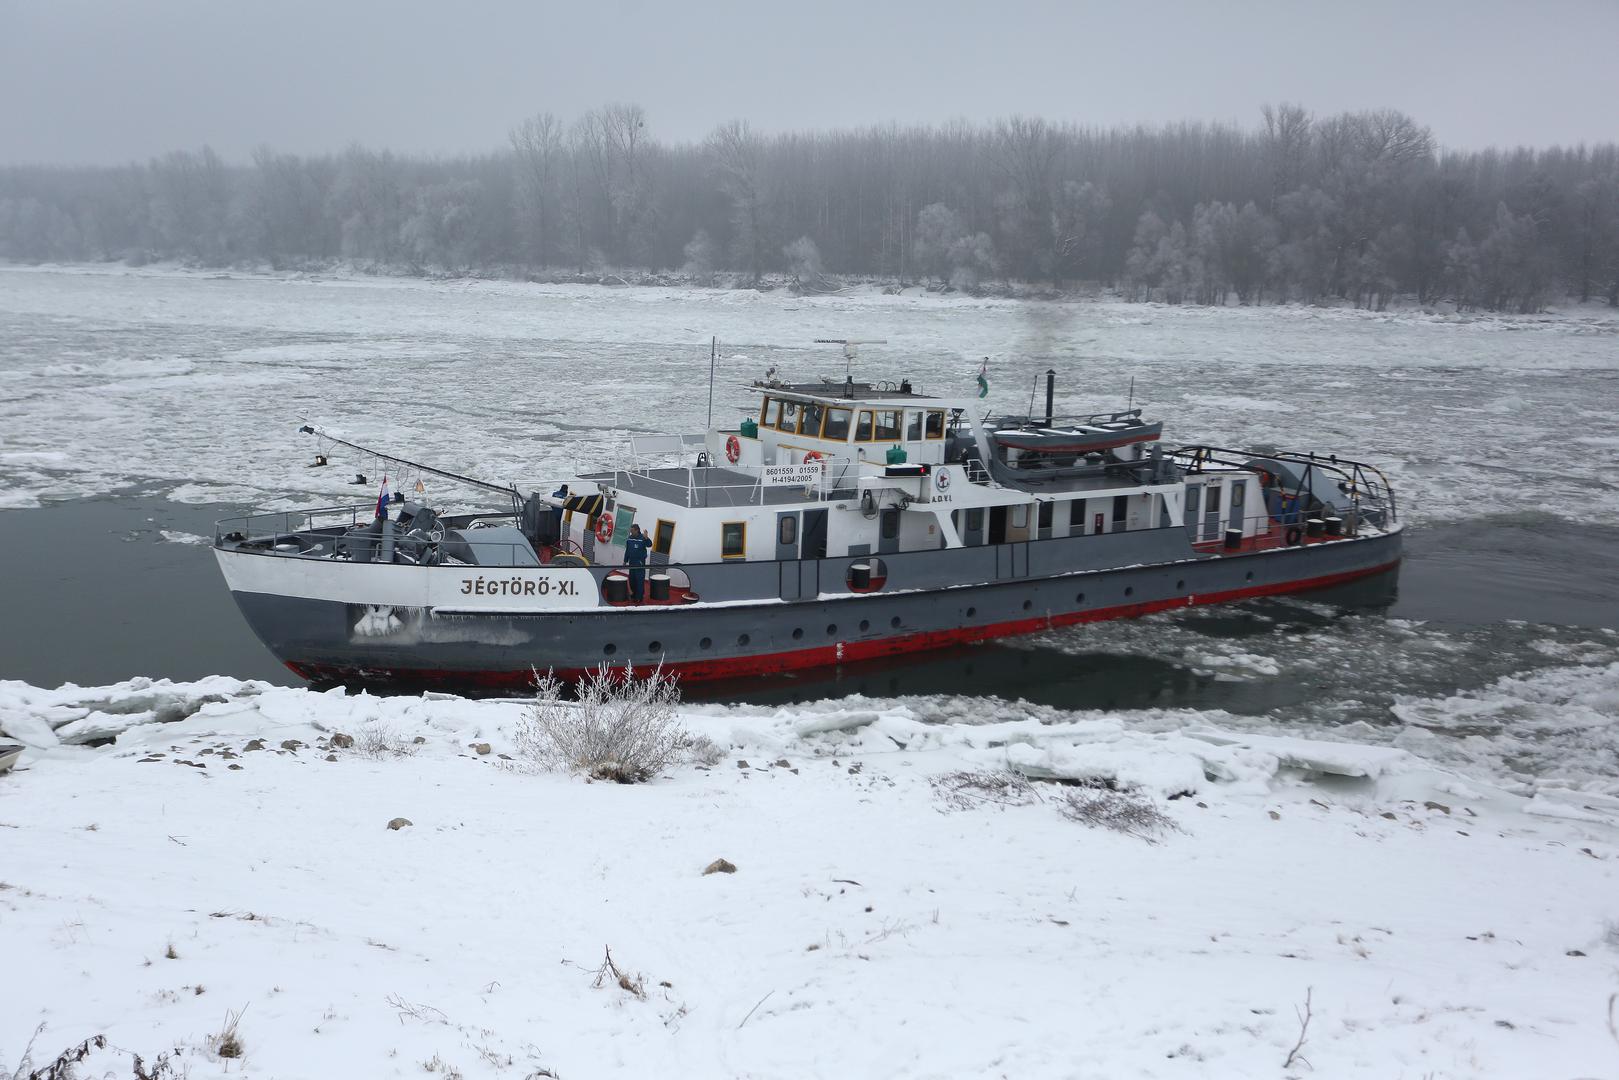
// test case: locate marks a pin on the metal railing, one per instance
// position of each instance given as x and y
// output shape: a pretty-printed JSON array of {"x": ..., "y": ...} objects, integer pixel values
[
  {"x": 1362, "y": 484},
  {"x": 352, "y": 533}
]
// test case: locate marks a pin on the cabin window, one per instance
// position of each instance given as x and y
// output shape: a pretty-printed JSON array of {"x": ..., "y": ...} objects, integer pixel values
[
  {"x": 1046, "y": 514},
  {"x": 1121, "y": 503},
  {"x": 887, "y": 425},
  {"x": 1211, "y": 503},
  {"x": 975, "y": 520},
  {"x": 890, "y": 524},
  {"x": 787, "y": 531},
  {"x": 734, "y": 540},
  {"x": 913, "y": 426},
  {"x": 812, "y": 421},
  {"x": 1020, "y": 516},
  {"x": 862, "y": 428},
  {"x": 787, "y": 416},
  {"x": 663, "y": 538},
  {"x": 837, "y": 425},
  {"x": 935, "y": 424}
]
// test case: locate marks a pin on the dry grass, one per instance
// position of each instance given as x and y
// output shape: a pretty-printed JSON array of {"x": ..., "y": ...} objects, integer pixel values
[
  {"x": 620, "y": 726},
  {"x": 227, "y": 1042},
  {"x": 969, "y": 790},
  {"x": 1121, "y": 810},
  {"x": 380, "y": 739}
]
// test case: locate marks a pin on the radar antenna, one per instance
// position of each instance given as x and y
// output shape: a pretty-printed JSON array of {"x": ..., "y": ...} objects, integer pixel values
[{"x": 850, "y": 348}]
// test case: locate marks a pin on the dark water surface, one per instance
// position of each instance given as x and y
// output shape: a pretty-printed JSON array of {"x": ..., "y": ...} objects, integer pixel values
[{"x": 96, "y": 594}]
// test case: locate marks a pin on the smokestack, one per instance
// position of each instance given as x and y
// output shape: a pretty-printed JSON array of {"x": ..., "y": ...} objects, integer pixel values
[{"x": 1051, "y": 392}]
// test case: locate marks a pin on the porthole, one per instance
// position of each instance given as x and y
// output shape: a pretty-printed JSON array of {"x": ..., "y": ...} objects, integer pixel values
[
  {"x": 971, "y": 612},
  {"x": 742, "y": 639},
  {"x": 609, "y": 649},
  {"x": 798, "y": 632},
  {"x": 1181, "y": 585},
  {"x": 655, "y": 647},
  {"x": 1249, "y": 576},
  {"x": 1129, "y": 590},
  {"x": 1079, "y": 598},
  {"x": 864, "y": 625},
  {"x": 1027, "y": 604},
  {"x": 894, "y": 622},
  {"x": 831, "y": 629},
  {"x": 705, "y": 643}
]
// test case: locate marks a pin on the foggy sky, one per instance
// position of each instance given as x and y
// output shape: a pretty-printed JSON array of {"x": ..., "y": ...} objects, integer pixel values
[{"x": 107, "y": 81}]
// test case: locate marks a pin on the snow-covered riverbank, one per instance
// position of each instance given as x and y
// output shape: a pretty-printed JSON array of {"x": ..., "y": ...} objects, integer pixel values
[{"x": 1439, "y": 925}]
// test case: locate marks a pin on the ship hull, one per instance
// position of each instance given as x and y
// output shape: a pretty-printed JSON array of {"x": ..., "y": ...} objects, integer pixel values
[{"x": 329, "y": 640}]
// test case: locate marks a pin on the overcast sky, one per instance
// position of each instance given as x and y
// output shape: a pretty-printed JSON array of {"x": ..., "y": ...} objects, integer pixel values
[{"x": 115, "y": 80}]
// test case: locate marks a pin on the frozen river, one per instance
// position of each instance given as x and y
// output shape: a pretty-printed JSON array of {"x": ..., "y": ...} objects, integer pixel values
[{"x": 137, "y": 406}]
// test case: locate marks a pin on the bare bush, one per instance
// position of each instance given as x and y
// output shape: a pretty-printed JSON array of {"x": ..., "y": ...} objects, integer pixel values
[
  {"x": 1122, "y": 810},
  {"x": 380, "y": 739},
  {"x": 967, "y": 790},
  {"x": 620, "y": 726}
]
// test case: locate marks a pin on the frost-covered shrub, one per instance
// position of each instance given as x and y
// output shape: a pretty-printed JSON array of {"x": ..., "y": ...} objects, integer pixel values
[
  {"x": 620, "y": 726},
  {"x": 1122, "y": 810},
  {"x": 380, "y": 739},
  {"x": 967, "y": 790}
]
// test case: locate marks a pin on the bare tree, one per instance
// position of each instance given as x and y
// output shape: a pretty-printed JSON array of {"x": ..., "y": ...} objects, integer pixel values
[{"x": 537, "y": 144}]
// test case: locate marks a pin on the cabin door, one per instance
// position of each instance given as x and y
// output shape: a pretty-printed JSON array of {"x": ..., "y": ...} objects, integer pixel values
[
  {"x": 812, "y": 544},
  {"x": 1211, "y": 512},
  {"x": 787, "y": 535},
  {"x": 1194, "y": 505},
  {"x": 888, "y": 530}
]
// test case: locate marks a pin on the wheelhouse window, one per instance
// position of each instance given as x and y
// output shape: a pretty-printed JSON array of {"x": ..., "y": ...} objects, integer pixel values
[
  {"x": 786, "y": 416},
  {"x": 837, "y": 425},
  {"x": 862, "y": 428},
  {"x": 764, "y": 411},
  {"x": 734, "y": 540},
  {"x": 888, "y": 423},
  {"x": 935, "y": 424},
  {"x": 812, "y": 421},
  {"x": 663, "y": 538},
  {"x": 913, "y": 426}
]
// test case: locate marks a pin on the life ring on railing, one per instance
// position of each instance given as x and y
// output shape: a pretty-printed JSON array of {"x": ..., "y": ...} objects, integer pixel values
[
  {"x": 814, "y": 455},
  {"x": 604, "y": 528},
  {"x": 733, "y": 449},
  {"x": 1294, "y": 535}
]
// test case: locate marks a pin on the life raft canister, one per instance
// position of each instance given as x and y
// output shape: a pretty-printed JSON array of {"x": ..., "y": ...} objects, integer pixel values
[
  {"x": 733, "y": 449},
  {"x": 604, "y": 528}
]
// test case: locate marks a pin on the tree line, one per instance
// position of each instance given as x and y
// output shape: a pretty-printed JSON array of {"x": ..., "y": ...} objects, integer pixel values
[{"x": 1362, "y": 207}]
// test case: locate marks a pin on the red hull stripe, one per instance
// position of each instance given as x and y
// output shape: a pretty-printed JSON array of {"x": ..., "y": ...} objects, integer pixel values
[{"x": 830, "y": 655}]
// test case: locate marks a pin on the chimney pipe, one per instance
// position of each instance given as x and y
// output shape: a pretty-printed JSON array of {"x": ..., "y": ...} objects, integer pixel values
[{"x": 1051, "y": 390}]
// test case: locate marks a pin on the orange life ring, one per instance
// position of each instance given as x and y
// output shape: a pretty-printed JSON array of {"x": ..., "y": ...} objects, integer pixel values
[
  {"x": 604, "y": 528},
  {"x": 733, "y": 449},
  {"x": 813, "y": 455}
]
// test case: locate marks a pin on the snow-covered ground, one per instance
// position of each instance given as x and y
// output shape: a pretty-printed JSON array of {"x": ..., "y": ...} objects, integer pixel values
[
  {"x": 193, "y": 385},
  {"x": 1438, "y": 925}
]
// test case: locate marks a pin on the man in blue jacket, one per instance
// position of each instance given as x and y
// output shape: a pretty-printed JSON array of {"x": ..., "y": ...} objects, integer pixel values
[{"x": 636, "y": 547}]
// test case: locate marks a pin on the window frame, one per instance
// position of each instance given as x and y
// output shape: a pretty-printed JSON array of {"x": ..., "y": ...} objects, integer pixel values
[
  {"x": 663, "y": 543},
  {"x": 785, "y": 524},
  {"x": 743, "y": 552},
  {"x": 927, "y": 425},
  {"x": 848, "y": 423},
  {"x": 867, "y": 418}
]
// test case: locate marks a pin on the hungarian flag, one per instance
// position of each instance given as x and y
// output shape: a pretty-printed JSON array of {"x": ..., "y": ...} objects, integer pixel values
[
  {"x": 382, "y": 499},
  {"x": 983, "y": 378}
]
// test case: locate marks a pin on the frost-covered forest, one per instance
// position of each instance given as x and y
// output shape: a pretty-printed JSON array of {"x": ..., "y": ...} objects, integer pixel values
[{"x": 1359, "y": 207}]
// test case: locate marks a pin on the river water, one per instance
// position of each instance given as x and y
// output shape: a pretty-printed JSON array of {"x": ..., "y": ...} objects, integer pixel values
[{"x": 137, "y": 408}]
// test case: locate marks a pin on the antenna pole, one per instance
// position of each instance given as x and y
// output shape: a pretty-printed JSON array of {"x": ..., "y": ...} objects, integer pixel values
[
  {"x": 713, "y": 355},
  {"x": 1132, "y": 404}
]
